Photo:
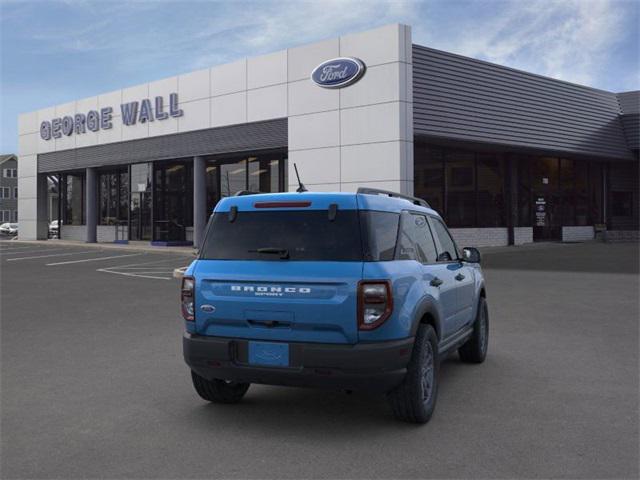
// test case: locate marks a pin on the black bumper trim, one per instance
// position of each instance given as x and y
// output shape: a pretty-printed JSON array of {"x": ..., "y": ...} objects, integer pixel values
[{"x": 378, "y": 366}]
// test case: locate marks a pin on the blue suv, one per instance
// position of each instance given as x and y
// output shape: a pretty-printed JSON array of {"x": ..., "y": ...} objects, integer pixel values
[{"x": 355, "y": 291}]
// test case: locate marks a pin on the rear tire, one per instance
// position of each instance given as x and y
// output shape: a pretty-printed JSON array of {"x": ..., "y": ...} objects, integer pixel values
[
  {"x": 414, "y": 400},
  {"x": 475, "y": 349},
  {"x": 219, "y": 391}
]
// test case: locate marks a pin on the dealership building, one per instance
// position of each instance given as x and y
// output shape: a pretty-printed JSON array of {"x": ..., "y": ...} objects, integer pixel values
[{"x": 506, "y": 156}]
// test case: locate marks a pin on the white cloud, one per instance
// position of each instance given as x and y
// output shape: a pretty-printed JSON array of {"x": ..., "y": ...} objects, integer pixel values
[{"x": 569, "y": 40}]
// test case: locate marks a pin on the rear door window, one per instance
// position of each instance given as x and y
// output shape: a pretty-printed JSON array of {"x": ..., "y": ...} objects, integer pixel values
[
  {"x": 284, "y": 234},
  {"x": 447, "y": 250},
  {"x": 415, "y": 241}
]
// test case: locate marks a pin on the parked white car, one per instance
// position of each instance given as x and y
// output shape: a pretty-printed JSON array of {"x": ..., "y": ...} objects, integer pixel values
[
  {"x": 54, "y": 229},
  {"x": 9, "y": 228}
]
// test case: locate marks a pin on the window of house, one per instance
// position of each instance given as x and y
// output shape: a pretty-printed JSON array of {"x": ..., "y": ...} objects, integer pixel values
[
  {"x": 5, "y": 215},
  {"x": 15, "y": 215},
  {"x": 6, "y": 192},
  {"x": 10, "y": 173},
  {"x": 15, "y": 192}
]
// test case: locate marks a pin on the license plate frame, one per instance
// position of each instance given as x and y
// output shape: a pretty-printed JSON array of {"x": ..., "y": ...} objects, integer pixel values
[{"x": 268, "y": 354}]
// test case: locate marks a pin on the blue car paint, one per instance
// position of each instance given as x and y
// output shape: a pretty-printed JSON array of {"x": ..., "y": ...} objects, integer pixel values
[
  {"x": 331, "y": 316},
  {"x": 326, "y": 315}
]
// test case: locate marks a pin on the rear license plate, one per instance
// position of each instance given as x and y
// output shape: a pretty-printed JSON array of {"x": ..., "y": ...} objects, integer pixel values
[{"x": 269, "y": 354}]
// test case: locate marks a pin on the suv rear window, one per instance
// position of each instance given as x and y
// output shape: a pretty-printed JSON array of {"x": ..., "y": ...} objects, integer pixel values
[{"x": 302, "y": 235}]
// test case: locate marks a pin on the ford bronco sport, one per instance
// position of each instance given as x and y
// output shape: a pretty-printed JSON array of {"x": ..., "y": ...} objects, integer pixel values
[{"x": 355, "y": 291}]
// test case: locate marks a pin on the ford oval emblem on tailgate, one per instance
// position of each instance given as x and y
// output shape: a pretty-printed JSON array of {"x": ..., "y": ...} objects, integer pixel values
[
  {"x": 339, "y": 72},
  {"x": 208, "y": 308}
]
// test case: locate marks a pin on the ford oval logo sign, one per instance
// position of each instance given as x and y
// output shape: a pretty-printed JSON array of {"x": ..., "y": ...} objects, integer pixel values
[{"x": 338, "y": 73}]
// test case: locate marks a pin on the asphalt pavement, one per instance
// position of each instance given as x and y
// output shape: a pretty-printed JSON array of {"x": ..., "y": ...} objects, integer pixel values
[{"x": 93, "y": 384}]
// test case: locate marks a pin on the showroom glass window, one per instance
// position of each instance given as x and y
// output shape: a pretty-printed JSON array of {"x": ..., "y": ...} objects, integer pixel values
[
  {"x": 173, "y": 200},
  {"x": 265, "y": 172},
  {"x": 465, "y": 187},
  {"x": 490, "y": 176},
  {"x": 73, "y": 192},
  {"x": 113, "y": 197},
  {"x": 429, "y": 175},
  {"x": 460, "y": 188}
]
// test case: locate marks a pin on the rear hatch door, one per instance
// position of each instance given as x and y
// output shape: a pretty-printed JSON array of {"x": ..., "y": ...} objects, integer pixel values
[{"x": 282, "y": 270}]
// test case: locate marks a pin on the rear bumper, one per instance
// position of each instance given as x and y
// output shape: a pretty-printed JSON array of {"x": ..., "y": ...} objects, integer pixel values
[{"x": 376, "y": 367}]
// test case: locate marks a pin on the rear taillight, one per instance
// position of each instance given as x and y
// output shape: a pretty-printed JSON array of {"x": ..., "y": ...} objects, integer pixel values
[
  {"x": 375, "y": 303},
  {"x": 186, "y": 298}
]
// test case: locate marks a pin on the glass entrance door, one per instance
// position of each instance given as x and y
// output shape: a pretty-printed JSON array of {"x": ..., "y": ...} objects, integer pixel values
[
  {"x": 546, "y": 201},
  {"x": 140, "y": 214},
  {"x": 140, "y": 219}
]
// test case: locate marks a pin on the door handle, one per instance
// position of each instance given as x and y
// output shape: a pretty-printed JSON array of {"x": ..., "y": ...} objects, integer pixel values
[
  {"x": 436, "y": 282},
  {"x": 459, "y": 277}
]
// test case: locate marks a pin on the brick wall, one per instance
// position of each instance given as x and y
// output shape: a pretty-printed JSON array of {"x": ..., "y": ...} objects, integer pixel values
[
  {"x": 107, "y": 233},
  {"x": 614, "y": 236},
  {"x": 577, "y": 234},
  {"x": 522, "y": 235},
  {"x": 480, "y": 237},
  {"x": 74, "y": 232}
]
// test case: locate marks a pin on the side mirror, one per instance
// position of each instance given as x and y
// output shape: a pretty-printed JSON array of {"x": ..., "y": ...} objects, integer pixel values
[{"x": 471, "y": 255}]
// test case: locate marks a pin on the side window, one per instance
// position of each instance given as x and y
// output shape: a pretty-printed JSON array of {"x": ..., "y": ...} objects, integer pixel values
[
  {"x": 415, "y": 241},
  {"x": 379, "y": 233},
  {"x": 447, "y": 250}
]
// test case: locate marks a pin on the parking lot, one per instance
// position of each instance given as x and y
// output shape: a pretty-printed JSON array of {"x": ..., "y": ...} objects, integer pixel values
[{"x": 94, "y": 385}]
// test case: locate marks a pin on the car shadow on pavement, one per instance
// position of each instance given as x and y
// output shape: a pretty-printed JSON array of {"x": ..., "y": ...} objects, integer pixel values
[{"x": 279, "y": 411}]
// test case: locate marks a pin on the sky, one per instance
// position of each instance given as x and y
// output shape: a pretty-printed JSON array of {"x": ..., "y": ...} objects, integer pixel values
[{"x": 55, "y": 51}]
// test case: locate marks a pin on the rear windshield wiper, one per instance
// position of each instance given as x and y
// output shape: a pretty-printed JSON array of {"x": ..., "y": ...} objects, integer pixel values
[{"x": 283, "y": 252}]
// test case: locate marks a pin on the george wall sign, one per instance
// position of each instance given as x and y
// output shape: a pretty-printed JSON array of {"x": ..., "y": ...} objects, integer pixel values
[
  {"x": 339, "y": 72},
  {"x": 95, "y": 120}
]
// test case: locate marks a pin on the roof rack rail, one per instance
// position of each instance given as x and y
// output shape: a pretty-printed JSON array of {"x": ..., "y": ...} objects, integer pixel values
[
  {"x": 377, "y": 191},
  {"x": 242, "y": 193}
]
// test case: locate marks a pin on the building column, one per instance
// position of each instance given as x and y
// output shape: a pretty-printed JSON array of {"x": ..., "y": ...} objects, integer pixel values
[
  {"x": 512, "y": 198},
  {"x": 91, "y": 207},
  {"x": 42, "y": 216},
  {"x": 199, "y": 200}
]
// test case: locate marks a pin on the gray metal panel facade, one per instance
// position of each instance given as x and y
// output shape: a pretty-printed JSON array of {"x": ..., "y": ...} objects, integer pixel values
[
  {"x": 630, "y": 107},
  {"x": 464, "y": 99},
  {"x": 631, "y": 127},
  {"x": 235, "y": 138},
  {"x": 629, "y": 101}
]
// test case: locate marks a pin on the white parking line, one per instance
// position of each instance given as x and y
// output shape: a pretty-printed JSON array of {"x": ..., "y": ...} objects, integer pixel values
[
  {"x": 126, "y": 274},
  {"x": 92, "y": 259},
  {"x": 39, "y": 250},
  {"x": 143, "y": 270},
  {"x": 16, "y": 249},
  {"x": 52, "y": 255}
]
